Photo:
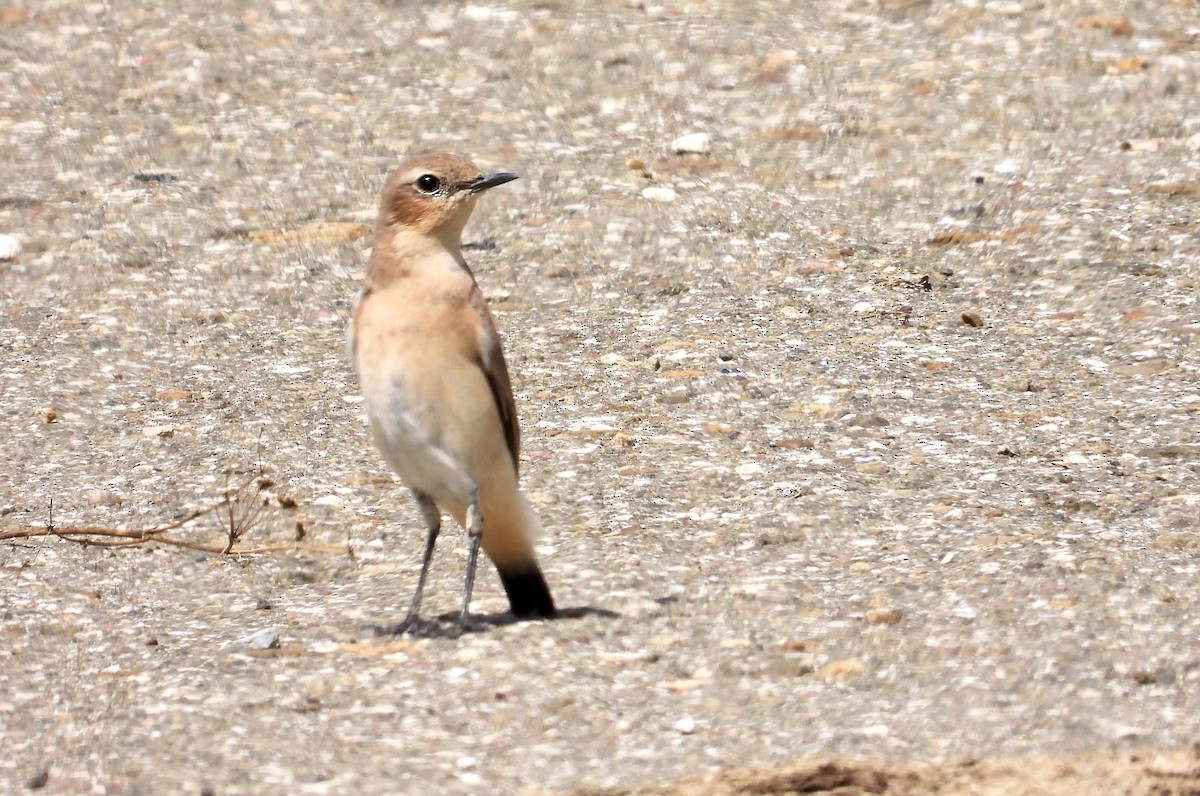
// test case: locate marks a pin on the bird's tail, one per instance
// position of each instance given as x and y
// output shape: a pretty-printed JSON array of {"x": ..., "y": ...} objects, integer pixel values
[
  {"x": 528, "y": 593},
  {"x": 509, "y": 529}
]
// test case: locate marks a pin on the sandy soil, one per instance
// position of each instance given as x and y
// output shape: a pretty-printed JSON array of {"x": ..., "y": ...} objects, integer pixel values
[{"x": 862, "y": 421}]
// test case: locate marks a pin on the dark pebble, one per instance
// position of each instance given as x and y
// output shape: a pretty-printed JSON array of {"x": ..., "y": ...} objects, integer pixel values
[
  {"x": 38, "y": 780},
  {"x": 972, "y": 319},
  {"x": 867, "y": 421},
  {"x": 159, "y": 177}
]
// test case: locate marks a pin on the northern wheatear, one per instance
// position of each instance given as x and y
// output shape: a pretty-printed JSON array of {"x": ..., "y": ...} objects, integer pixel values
[{"x": 432, "y": 371}]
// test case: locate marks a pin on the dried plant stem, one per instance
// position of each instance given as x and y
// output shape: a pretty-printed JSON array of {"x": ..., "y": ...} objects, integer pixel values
[{"x": 236, "y": 519}]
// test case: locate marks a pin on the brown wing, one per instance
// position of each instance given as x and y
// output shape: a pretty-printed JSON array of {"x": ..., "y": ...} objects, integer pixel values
[{"x": 491, "y": 361}]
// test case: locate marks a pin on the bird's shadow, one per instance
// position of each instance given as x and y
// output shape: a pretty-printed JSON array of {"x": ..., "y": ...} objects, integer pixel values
[{"x": 446, "y": 625}]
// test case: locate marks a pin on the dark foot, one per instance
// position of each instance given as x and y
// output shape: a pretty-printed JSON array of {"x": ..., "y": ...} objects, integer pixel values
[
  {"x": 470, "y": 624},
  {"x": 439, "y": 627},
  {"x": 412, "y": 626}
]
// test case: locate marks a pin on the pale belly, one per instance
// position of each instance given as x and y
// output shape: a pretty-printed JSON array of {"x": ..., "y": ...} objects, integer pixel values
[
  {"x": 438, "y": 428},
  {"x": 431, "y": 408}
]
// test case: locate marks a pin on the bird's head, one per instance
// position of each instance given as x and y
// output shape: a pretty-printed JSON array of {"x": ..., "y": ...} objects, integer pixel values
[{"x": 433, "y": 195}]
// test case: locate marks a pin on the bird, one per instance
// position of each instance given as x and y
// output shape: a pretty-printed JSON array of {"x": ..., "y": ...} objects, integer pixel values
[{"x": 435, "y": 384}]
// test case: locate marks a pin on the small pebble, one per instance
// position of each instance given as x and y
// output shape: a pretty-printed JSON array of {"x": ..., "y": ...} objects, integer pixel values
[
  {"x": 685, "y": 726},
  {"x": 971, "y": 318},
  {"x": 883, "y": 616},
  {"x": 841, "y": 670},
  {"x": 969, "y": 211},
  {"x": 867, "y": 421},
  {"x": 693, "y": 144},
  {"x": 10, "y": 247},
  {"x": 265, "y": 639},
  {"x": 1169, "y": 452},
  {"x": 38, "y": 780},
  {"x": 659, "y": 193},
  {"x": 1146, "y": 367},
  {"x": 158, "y": 431},
  {"x": 1004, "y": 8},
  {"x": 102, "y": 497}
]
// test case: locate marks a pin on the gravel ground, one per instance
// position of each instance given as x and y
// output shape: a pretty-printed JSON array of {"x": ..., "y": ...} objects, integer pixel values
[{"x": 867, "y": 427}]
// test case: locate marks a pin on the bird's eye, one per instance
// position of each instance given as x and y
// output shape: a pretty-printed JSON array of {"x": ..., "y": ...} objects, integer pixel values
[{"x": 428, "y": 183}]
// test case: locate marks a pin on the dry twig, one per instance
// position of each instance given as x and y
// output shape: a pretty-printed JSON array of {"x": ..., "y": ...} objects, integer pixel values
[{"x": 239, "y": 509}]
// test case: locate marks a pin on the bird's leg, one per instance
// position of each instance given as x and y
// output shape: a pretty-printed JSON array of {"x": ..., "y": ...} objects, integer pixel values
[
  {"x": 474, "y": 536},
  {"x": 433, "y": 524}
]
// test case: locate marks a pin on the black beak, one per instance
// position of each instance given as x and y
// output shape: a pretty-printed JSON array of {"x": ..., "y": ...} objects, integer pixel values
[{"x": 490, "y": 181}]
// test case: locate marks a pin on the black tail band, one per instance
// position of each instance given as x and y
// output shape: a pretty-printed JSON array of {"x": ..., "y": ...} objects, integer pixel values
[{"x": 528, "y": 594}]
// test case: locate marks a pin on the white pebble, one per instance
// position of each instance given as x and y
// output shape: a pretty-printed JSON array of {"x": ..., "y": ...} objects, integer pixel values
[
  {"x": 692, "y": 143},
  {"x": 686, "y": 725},
  {"x": 659, "y": 193},
  {"x": 102, "y": 497},
  {"x": 265, "y": 639},
  {"x": 285, "y": 369},
  {"x": 10, "y": 247},
  {"x": 486, "y": 13},
  {"x": 1004, "y": 8}
]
